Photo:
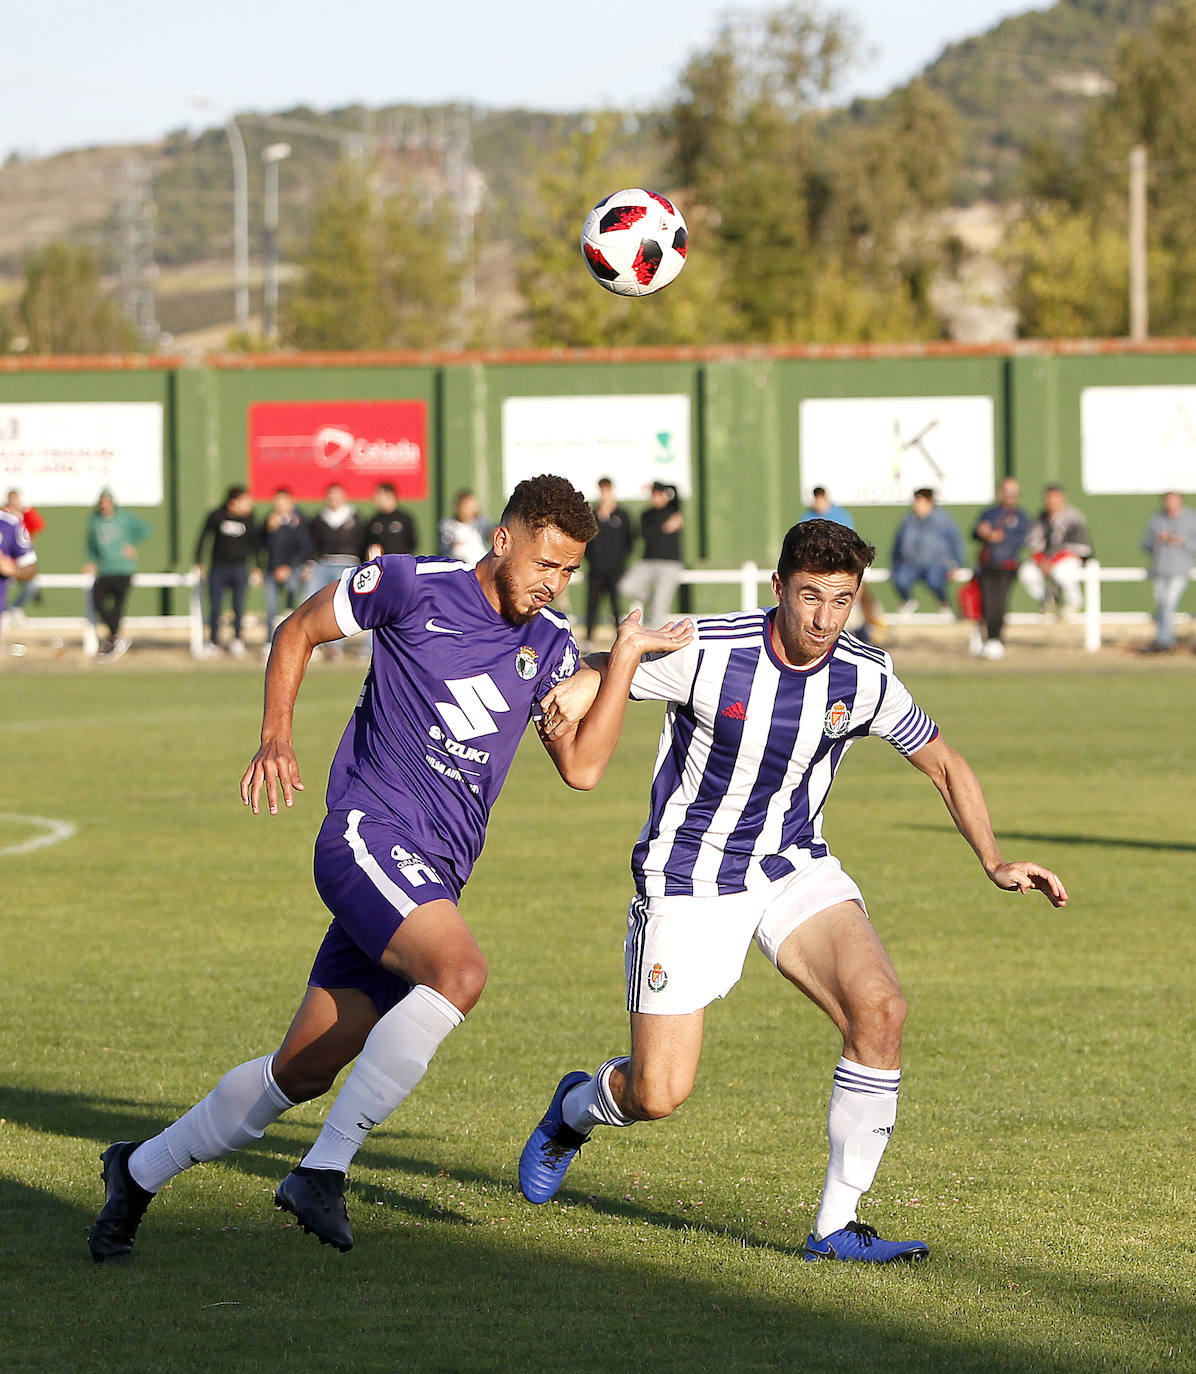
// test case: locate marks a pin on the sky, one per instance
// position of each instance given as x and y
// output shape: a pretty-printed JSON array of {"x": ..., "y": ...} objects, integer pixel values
[{"x": 80, "y": 74}]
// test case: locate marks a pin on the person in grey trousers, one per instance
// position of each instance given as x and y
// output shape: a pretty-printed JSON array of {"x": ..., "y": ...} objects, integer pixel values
[{"x": 1170, "y": 539}]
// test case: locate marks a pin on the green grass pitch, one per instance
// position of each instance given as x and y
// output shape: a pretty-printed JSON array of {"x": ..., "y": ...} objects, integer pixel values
[{"x": 1043, "y": 1148}]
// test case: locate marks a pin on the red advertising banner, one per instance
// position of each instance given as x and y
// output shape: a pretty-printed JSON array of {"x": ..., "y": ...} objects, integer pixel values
[{"x": 309, "y": 445}]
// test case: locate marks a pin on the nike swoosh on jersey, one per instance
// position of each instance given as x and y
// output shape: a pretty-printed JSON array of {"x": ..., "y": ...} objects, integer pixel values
[{"x": 440, "y": 629}]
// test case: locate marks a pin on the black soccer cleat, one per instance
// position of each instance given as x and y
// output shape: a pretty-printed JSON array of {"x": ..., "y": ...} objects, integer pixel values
[
  {"x": 316, "y": 1198},
  {"x": 111, "y": 1238}
]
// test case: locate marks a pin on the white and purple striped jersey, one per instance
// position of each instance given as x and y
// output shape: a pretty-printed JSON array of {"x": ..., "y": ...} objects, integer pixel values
[
  {"x": 749, "y": 750},
  {"x": 450, "y": 690}
]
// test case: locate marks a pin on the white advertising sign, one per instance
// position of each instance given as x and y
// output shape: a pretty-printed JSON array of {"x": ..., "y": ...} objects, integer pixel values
[
  {"x": 877, "y": 450},
  {"x": 1138, "y": 439},
  {"x": 633, "y": 440},
  {"x": 63, "y": 453}
]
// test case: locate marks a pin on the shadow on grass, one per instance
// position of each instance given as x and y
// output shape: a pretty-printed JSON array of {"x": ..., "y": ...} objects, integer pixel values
[
  {"x": 506, "y": 1288},
  {"x": 1099, "y": 841},
  {"x": 436, "y": 1299}
]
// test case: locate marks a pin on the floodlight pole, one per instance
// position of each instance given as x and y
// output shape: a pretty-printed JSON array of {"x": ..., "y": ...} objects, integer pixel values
[
  {"x": 271, "y": 157},
  {"x": 240, "y": 223}
]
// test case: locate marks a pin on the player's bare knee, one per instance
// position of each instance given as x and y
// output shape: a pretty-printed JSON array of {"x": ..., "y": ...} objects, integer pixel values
[
  {"x": 461, "y": 983},
  {"x": 877, "y": 1014},
  {"x": 303, "y": 1080}
]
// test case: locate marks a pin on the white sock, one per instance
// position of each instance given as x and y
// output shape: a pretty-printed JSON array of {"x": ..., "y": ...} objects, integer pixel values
[
  {"x": 861, "y": 1118},
  {"x": 393, "y": 1060},
  {"x": 590, "y": 1104},
  {"x": 236, "y": 1111}
]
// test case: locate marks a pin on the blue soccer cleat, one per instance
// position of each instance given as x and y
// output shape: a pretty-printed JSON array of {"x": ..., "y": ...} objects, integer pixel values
[
  {"x": 857, "y": 1241},
  {"x": 550, "y": 1147}
]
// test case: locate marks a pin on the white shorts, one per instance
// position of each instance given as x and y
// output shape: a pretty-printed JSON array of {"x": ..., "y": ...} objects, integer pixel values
[{"x": 683, "y": 952}]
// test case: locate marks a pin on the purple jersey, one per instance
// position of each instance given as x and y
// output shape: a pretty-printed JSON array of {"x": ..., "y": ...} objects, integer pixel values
[
  {"x": 15, "y": 542},
  {"x": 446, "y": 701}
]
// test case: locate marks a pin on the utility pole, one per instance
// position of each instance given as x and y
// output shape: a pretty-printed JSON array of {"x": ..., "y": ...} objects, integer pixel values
[
  {"x": 271, "y": 157},
  {"x": 240, "y": 223},
  {"x": 236, "y": 146},
  {"x": 1139, "y": 284}
]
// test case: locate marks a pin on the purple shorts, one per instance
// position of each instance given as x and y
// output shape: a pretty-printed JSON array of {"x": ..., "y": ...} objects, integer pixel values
[{"x": 370, "y": 878}]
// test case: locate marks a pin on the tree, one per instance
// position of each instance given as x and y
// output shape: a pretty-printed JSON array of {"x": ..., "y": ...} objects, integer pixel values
[
  {"x": 381, "y": 270},
  {"x": 62, "y": 308},
  {"x": 337, "y": 303},
  {"x": 874, "y": 221},
  {"x": 743, "y": 126},
  {"x": 821, "y": 234},
  {"x": 422, "y": 269},
  {"x": 1070, "y": 255},
  {"x": 1070, "y": 273},
  {"x": 1154, "y": 103},
  {"x": 564, "y": 307}
]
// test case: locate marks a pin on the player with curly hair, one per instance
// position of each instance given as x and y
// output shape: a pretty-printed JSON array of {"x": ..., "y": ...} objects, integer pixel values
[{"x": 463, "y": 658}]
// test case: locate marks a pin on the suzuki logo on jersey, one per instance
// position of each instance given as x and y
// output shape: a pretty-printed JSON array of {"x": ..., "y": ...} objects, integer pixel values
[
  {"x": 475, "y": 698},
  {"x": 838, "y": 718},
  {"x": 366, "y": 579},
  {"x": 458, "y": 751}
]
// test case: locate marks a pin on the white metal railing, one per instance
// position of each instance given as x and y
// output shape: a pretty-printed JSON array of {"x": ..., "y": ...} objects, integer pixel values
[
  {"x": 86, "y": 623},
  {"x": 749, "y": 577}
]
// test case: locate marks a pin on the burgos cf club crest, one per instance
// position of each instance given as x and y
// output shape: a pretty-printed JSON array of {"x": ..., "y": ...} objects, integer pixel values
[
  {"x": 658, "y": 979},
  {"x": 526, "y": 662},
  {"x": 837, "y": 721}
]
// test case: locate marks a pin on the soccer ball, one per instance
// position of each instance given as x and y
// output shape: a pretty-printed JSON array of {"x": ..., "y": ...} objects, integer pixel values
[{"x": 634, "y": 242}]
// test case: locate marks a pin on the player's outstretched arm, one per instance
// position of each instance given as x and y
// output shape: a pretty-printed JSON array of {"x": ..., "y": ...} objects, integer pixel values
[
  {"x": 582, "y": 751},
  {"x": 960, "y": 789},
  {"x": 274, "y": 766},
  {"x": 568, "y": 702}
]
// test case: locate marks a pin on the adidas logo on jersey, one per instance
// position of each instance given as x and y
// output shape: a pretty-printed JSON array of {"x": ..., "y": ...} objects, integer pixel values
[{"x": 736, "y": 711}]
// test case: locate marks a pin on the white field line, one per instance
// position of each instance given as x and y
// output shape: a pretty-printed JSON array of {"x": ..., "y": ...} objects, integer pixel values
[{"x": 54, "y": 831}]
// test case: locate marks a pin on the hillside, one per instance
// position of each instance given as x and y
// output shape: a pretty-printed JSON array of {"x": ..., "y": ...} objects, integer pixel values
[{"x": 1031, "y": 78}]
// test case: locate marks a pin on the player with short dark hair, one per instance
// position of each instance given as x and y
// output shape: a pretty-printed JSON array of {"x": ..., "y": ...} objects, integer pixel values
[
  {"x": 762, "y": 708},
  {"x": 463, "y": 658}
]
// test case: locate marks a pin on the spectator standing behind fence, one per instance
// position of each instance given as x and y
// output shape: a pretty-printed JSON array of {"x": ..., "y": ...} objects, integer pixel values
[
  {"x": 26, "y": 589},
  {"x": 606, "y": 556},
  {"x": 1170, "y": 539},
  {"x": 1058, "y": 544},
  {"x": 653, "y": 582},
  {"x": 286, "y": 543},
  {"x": 927, "y": 548},
  {"x": 234, "y": 538},
  {"x": 1002, "y": 530},
  {"x": 337, "y": 539},
  {"x": 112, "y": 538},
  {"x": 391, "y": 529},
  {"x": 465, "y": 535},
  {"x": 821, "y": 507}
]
